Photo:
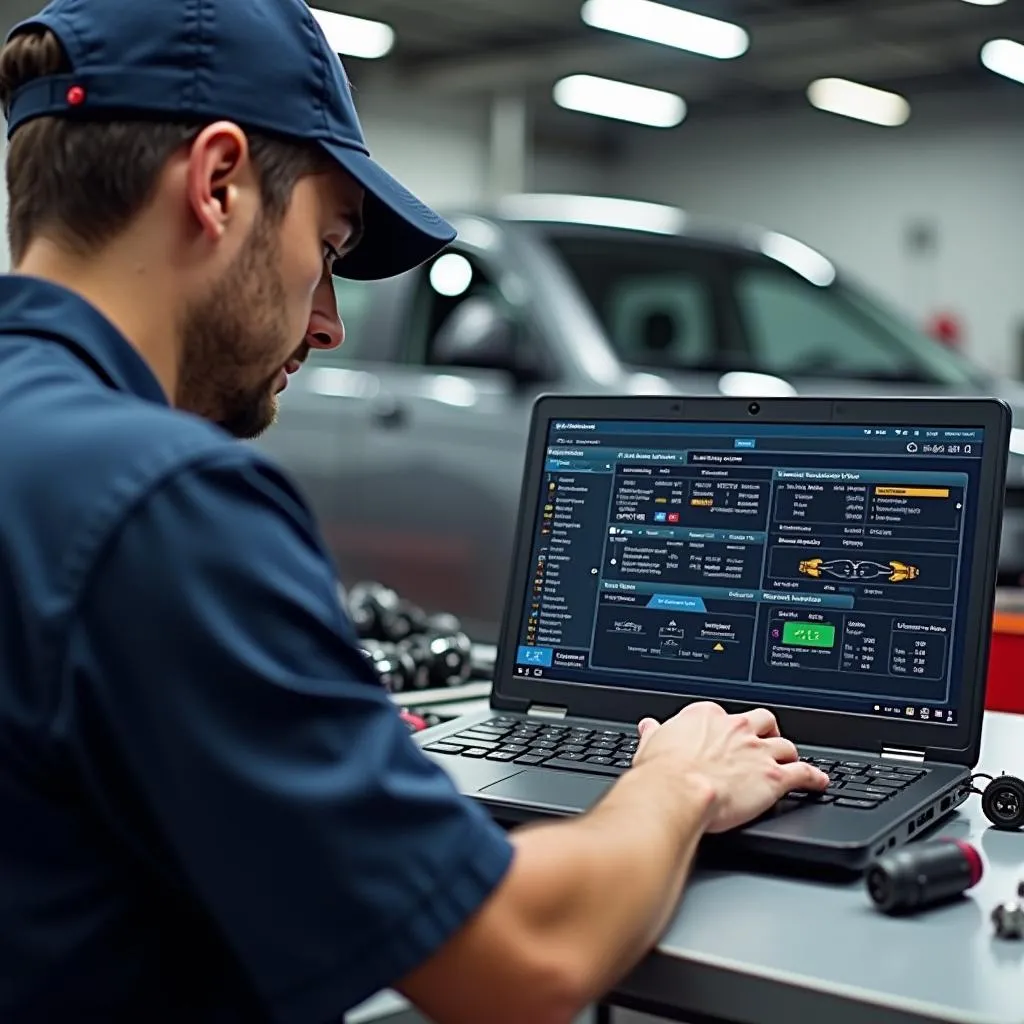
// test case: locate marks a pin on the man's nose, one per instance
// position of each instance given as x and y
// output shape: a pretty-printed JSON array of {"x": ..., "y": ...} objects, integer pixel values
[{"x": 325, "y": 327}]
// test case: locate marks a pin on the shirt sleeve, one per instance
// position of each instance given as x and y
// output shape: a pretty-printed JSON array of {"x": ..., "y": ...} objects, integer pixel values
[{"x": 213, "y": 665}]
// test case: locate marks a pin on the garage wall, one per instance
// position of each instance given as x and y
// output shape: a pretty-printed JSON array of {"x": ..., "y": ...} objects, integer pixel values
[
  {"x": 853, "y": 190},
  {"x": 440, "y": 149}
]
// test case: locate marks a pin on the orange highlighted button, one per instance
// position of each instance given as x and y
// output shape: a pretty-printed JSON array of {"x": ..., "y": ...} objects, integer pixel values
[{"x": 912, "y": 492}]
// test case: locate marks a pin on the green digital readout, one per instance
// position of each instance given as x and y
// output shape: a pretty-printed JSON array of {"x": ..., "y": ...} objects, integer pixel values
[{"x": 808, "y": 634}]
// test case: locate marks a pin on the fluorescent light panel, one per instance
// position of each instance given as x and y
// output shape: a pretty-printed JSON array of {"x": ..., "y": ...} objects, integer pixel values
[
  {"x": 1004, "y": 57},
  {"x": 355, "y": 37},
  {"x": 604, "y": 97},
  {"x": 669, "y": 26},
  {"x": 985, "y": 3},
  {"x": 861, "y": 102}
]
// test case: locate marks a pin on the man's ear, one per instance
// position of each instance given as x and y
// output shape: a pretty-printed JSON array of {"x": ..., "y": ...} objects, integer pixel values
[{"x": 218, "y": 171}]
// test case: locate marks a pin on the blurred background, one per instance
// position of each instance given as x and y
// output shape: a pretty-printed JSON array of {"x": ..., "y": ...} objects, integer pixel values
[{"x": 751, "y": 197}]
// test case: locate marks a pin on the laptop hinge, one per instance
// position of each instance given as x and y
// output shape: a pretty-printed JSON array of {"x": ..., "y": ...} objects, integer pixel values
[
  {"x": 547, "y": 711},
  {"x": 902, "y": 754}
]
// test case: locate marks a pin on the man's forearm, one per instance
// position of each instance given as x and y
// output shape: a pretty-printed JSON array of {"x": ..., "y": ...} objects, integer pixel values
[{"x": 601, "y": 889}]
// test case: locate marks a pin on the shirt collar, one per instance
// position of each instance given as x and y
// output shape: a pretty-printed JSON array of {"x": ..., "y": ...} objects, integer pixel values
[{"x": 31, "y": 306}]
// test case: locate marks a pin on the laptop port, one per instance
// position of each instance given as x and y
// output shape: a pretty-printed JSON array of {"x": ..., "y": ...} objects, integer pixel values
[
  {"x": 911, "y": 828},
  {"x": 947, "y": 802}
]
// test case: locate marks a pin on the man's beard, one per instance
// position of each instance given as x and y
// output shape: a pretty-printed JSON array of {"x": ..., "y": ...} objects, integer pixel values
[{"x": 229, "y": 334}]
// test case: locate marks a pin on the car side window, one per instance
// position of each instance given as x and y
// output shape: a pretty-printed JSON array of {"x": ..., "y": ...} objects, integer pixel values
[
  {"x": 661, "y": 320},
  {"x": 355, "y": 301},
  {"x": 796, "y": 329}
]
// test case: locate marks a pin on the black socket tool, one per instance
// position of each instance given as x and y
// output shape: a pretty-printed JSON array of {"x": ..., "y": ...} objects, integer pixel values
[{"x": 923, "y": 875}]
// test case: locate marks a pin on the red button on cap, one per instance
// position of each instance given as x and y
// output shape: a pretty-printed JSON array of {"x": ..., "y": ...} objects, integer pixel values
[{"x": 76, "y": 96}]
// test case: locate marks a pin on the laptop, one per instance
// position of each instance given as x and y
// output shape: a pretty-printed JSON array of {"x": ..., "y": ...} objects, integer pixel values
[{"x": 832, "y": 560}]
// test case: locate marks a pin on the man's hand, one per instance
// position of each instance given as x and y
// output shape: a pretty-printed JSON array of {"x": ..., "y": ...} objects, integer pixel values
[{"x": 748, "y": 765}]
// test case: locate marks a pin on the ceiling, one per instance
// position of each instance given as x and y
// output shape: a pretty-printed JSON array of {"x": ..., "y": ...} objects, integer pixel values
[{"x": 490, "y": 47}]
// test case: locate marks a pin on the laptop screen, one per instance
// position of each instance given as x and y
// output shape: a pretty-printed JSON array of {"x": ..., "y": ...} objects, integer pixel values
[{"x": 812, "y": 567}]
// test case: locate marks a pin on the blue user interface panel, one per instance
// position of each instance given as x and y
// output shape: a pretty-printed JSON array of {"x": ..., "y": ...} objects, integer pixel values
[{"x": 801, "y": 566}]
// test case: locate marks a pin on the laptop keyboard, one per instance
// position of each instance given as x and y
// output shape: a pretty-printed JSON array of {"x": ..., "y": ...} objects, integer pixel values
[
  {"x": 521, "y": 741},
  {"x": 861, "y": 785}
]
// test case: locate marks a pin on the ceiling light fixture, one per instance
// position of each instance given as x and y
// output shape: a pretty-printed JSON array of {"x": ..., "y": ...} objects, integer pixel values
[
  {"x": 355, "y": 37},
  {"x": 985, "y": 3},
  {"x": 1004, "y": 57},
  {"x": 604, "y": 97},
  {"x": 861, "y": 102},
  {"x": 658, "y": 23}
]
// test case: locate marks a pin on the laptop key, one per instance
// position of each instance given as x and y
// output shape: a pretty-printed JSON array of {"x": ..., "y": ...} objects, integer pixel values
[
  {"x": 864, "y": 805},
  {"x": 513, "y": 748},
  {"x": 530, "y": 759},
  {"x": 599, "y": 760},
  {"x": 623, "y": 762},
  {"x": 583, "y": 766},
  {"x": 445, "y": 748},
  {"x": 502, "y": 755},
  {"x": 475, "y": 752},
  {"x": 883, "y": 775},
  {"x": 891, "y": 787},
  {"x": 572, "y": 756},
  {"x": 867, "y": 791},
  {"x": 571, "y": 748},
  {"x": 473, "y": 741}
]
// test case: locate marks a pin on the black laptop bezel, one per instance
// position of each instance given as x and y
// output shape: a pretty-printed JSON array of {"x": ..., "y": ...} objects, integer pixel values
[{"x": 957, "y": 744}]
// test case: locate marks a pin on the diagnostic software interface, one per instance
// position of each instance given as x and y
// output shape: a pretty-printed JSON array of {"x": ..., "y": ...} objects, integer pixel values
[{"x": 805, "y": 566}]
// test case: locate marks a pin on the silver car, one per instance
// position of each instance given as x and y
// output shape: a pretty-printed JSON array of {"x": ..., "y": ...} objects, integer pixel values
[{"x": 409, "y": 440}]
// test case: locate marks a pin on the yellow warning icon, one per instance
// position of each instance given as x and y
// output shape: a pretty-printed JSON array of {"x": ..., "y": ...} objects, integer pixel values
[{"x": 718, "y": 647}]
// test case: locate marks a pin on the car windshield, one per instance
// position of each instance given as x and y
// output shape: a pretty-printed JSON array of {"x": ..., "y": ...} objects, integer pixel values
[{"x": 670, "y": 304}]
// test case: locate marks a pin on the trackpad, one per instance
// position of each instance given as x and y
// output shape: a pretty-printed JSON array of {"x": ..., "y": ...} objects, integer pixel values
[{"x": 557, "y": 790}]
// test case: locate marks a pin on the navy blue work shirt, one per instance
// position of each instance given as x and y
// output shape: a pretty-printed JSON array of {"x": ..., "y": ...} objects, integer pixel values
[{"x": 209, "y": 810}]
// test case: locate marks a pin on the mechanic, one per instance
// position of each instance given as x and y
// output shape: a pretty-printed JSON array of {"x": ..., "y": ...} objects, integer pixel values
[{"x": 211, "y": 810}]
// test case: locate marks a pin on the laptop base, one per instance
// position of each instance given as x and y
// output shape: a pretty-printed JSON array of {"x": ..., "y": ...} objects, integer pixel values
[{"x": 795, "y": 830}]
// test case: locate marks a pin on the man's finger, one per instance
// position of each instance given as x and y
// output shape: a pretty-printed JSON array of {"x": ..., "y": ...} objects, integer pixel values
[
  {"x": 801, "y": 775},
  {"x": 763, "y": 722},
  {"x": 645, "y": 730},
  {"x": 784, "y": 751}
]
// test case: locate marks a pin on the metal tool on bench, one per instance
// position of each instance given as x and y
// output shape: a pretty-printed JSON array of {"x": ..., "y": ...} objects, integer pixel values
[{"x": 411, "y": 650}]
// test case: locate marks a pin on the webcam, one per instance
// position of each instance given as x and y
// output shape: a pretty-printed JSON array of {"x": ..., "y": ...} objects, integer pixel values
[{"x": 754, "y": 408}]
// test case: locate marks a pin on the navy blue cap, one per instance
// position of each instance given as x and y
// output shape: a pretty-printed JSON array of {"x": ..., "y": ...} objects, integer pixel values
[{"x": 264, "y": 64}]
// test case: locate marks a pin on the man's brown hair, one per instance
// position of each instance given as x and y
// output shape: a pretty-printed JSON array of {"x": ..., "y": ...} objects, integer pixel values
[{"x": 84, "y": 180}]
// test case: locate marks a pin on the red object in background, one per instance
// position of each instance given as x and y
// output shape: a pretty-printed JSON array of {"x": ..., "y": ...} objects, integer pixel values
[
  {"x": 947, "y": 328},
  {"x": 415, "y": 723},
  {"x": 1005, "y": 680}
]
